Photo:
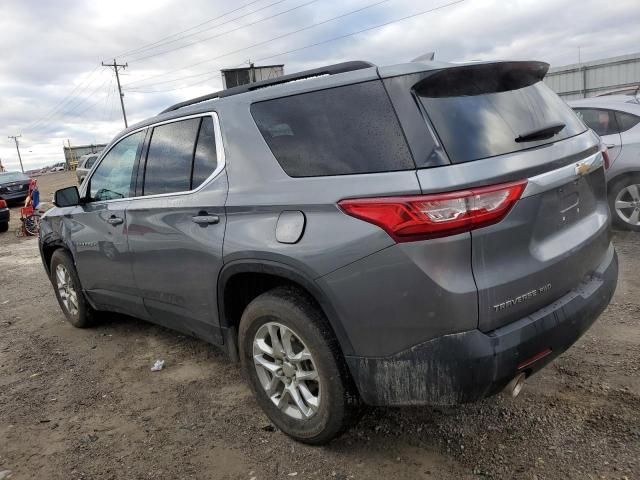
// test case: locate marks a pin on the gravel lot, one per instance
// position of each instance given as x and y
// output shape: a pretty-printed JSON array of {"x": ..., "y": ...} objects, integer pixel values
[{"x": 81, "y": 404}]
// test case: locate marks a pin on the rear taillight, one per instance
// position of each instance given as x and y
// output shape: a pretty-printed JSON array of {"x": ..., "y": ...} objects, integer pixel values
[
  {"x": 3, "y": 204},
  {"x": 605, "y": 156},
  {"x": 420, "y": 217}
]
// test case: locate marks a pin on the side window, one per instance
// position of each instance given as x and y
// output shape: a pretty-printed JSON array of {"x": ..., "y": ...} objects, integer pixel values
[
  {"x": 603, "y": 122},
  {"x": 168, "y": 167},
  {"x": 112, "y": 178},
  {"x": 90, "y": 161},
  {"x": 626, "y": 121},
  {"x": 205, "y": 160},
  {"x": 338, "y": 131}
]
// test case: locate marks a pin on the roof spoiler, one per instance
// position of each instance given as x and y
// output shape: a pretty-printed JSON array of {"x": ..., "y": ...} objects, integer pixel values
[
  {"x": 481, "y": 78},
  {"x": 315, "y": 72}
]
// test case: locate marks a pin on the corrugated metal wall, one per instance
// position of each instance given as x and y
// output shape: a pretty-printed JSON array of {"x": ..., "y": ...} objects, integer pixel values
[{"x": 595, "y": 77}]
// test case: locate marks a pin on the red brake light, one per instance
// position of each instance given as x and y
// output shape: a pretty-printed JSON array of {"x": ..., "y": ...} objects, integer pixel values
[
  {"x": 3, "y": 204},
  {"x": 419, "y": 217},
  {"x": 605, "y": 156}
]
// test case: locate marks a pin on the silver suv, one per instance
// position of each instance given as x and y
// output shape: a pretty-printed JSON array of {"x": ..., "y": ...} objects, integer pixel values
[
  {"x": 423, "y": 233},
  {"x": 616, "y": 118}
]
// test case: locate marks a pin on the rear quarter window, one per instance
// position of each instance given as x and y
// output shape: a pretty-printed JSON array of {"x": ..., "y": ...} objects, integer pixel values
[{"x": 338, "y": 131}]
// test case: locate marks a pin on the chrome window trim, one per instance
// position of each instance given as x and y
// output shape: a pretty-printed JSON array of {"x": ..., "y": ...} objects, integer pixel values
[
  {"x": 220, "y": 157},
  {"x": 561, "y": 176}
]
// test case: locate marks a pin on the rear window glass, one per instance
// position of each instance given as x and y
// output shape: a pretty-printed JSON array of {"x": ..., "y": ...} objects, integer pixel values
[
  {"x": 344, "y": 130},
  {"x": 603, "y": 122},
  {"x": 474, "y": 126},
  {"x": 626, "y": 121}
]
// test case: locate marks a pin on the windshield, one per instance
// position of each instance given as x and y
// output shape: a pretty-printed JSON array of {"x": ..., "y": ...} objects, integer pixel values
[{"x": 12, "y": 177}]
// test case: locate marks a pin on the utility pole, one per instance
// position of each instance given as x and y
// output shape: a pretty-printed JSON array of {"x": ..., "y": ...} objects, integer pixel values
[
  {"x": 15, "y": 139},
  {"x": 115, "y": 67}
]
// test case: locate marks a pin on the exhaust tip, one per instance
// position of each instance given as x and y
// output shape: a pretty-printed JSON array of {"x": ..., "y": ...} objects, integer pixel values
[{"x": 515, "y": 386}]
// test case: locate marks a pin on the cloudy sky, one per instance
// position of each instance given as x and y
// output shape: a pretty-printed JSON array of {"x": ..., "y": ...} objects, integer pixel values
[{"x": 53, "y": 88}]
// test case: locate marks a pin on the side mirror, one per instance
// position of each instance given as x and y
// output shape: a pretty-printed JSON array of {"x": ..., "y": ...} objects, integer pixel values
[{"x": 66, "y": 197}]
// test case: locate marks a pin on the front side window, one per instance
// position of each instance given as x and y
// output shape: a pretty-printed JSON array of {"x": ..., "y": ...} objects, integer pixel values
[
  {"x": 601, "y": 121},
  {"x": 170, "y": 156},
  {"x": 112, "y": 178}
]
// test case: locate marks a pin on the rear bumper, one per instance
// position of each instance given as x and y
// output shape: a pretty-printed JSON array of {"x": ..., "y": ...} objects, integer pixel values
[
  {"x": 468, "y": 366},
  {"x": 14, "y": 196},
  {"x": 4, "y": 215}
]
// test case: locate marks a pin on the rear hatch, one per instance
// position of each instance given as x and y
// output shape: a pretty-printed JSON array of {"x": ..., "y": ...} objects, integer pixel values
[{"x": 498, "y": 123}]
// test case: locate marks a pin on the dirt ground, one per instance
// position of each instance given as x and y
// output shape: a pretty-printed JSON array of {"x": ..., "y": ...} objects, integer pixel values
[{"x": 82, "y": 404}]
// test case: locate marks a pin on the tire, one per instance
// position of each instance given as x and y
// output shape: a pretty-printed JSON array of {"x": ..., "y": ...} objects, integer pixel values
[
  {"x": 617, "y": 191},
  {"x": 4, "y": 227},
  {"x": 338, "y": 401},
  {"x": 79, "y": 314}
]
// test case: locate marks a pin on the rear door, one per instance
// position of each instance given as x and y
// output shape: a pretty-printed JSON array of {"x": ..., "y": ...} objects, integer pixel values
[
  {"x": 499, "y": 123},
  {"x": 176, "y": 225}
]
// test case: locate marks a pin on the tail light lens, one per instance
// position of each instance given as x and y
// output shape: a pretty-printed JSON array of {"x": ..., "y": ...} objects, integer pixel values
[
  {"x": 420, "y": 217},
  {"x": 3, "y": 204},
  {"x": 605, "y": 156}
]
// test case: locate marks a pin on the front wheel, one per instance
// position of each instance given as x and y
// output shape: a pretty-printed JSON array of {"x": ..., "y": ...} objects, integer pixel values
[
  {"x": 68, "y": 290},
  {"x": 624, "y": 202},
  {"x": 295, "y": 368}
]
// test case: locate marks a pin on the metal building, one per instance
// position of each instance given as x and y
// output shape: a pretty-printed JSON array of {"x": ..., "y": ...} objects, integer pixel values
[
  {"x": 593, "y": 78},
  {"x": 72, "y": 154},
  {"x": 232, "y": 77}
]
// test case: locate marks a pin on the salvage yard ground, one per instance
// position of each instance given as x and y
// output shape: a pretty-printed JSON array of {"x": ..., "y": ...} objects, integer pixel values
[{"x": 82, "y": 404}]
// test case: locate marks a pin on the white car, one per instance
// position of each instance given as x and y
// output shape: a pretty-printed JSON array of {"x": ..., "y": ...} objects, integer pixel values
[
  {"x": 616, "y": 118},
  {"x": 59, "y": 167}
]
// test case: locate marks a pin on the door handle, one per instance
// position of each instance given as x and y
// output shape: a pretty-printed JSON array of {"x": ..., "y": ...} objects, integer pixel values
[
  {"x": 115, "y": 220},
  {"x": 610, "y": 146},
  {"x": 203, "y": 218}
]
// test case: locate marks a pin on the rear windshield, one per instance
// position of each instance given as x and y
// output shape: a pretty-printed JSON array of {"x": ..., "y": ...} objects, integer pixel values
[
  {"x": 338, "y": 131},
  {"x": 12, "y": 177},
  {"x": 482, "y": 117}
]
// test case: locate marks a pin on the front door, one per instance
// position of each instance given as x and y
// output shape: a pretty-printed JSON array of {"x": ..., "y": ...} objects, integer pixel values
[
  {"x": 98, "y": 230},
  {"x": 176, "y": 226}
]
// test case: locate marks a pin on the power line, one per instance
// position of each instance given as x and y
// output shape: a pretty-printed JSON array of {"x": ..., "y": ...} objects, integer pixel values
[
  {"x": 225, "y": 33},
  {"x": 340, "y": 37},
  {"x": 178, "y": 88},
  {"x": 150, "y": 45},
  {"x": 279, "y": 37},
  {"x": 81, "y": 101},
  {"x": 210, "y": 28},
  {"x": 66, "y": 99}
]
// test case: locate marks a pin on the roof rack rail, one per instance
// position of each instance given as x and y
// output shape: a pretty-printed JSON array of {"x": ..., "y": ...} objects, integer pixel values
[{"x": 315, "y": 72}]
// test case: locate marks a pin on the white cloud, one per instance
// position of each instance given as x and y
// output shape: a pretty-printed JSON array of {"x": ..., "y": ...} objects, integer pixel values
[{"x": 49, "y": 48}]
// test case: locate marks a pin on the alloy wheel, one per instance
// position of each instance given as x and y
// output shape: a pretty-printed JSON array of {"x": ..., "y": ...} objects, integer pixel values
[
  {"x": 66, "y": 289},
  {"x": 286, "y": 370},
  {"x": 627, "y": 204}
]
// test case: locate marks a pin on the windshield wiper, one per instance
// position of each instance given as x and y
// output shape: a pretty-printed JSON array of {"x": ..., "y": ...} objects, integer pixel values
[{"x": 542, "y": 133}]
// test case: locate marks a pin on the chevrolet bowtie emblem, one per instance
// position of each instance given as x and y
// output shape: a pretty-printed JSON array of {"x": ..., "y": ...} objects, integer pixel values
[{"x": 582, "y": 168}]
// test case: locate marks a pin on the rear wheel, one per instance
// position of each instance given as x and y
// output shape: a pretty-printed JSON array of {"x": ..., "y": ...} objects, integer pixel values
[
  {"x": 68, "y": 290},
  {"x": 294, "y": 366},
  {"x": 4, "y": 226},
  {"x": 624, "y": 202}
]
